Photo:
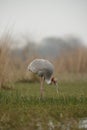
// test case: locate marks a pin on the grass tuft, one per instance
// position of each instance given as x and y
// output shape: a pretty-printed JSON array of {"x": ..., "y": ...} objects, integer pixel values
[{"x": 22, "y": 108}]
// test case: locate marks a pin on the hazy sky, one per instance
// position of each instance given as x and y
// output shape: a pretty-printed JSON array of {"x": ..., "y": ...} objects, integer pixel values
[{"x": 42, "y": 18}]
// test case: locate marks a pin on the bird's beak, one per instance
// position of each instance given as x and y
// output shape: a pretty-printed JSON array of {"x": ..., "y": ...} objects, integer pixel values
[
  {"x": 57, "y": 88},
  {"x": 54, "y": 81}
]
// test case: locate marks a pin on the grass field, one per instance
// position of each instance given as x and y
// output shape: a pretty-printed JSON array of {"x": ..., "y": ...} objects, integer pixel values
[{"x": 22, "y": 109}]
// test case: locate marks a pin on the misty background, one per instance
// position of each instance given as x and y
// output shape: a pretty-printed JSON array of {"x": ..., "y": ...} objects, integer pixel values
[{"x": 52, "y": 29}]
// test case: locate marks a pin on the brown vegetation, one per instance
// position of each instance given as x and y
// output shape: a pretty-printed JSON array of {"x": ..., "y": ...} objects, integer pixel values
[
  {"x": 72, "y": 62},
  {"x": 14, "y": 68}
]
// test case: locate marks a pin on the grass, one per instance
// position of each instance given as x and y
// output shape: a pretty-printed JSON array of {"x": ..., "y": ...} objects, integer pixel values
[{"x": 22, "y": 109}]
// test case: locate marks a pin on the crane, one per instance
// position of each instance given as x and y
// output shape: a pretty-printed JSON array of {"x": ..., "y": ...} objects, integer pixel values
[{"x": 44, "y": 69}]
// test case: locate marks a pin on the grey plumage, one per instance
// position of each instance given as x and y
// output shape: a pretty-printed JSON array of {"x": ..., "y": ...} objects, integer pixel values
[{"x": 42, "y": 68}]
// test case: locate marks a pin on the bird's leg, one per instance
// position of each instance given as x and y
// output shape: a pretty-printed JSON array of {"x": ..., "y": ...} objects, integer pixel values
[{"x": 42, "y": 87}]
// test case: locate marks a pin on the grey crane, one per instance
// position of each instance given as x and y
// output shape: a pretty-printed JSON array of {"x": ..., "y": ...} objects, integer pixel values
[{"x": 44, "y": 69}]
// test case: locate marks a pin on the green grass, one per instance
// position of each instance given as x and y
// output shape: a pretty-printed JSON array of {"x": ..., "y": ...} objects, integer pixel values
[{"x": 22, "y": 109}]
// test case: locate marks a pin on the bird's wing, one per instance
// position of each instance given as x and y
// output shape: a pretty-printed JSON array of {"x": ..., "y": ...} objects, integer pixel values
[{"x": 41, "y": 65}]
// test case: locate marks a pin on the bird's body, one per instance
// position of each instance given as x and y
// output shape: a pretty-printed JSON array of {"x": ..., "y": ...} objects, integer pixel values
[{"x": 44, "y": 69}]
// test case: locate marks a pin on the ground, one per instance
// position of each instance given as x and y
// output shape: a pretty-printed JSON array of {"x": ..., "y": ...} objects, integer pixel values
[{"x": 22, "y": 109}]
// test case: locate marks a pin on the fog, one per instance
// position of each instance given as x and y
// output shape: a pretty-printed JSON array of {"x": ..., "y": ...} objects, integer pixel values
[{"x": 44, "y": 18}]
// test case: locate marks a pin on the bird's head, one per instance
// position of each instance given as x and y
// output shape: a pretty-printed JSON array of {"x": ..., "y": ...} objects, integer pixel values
[{"x": 53, "y": 80}]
